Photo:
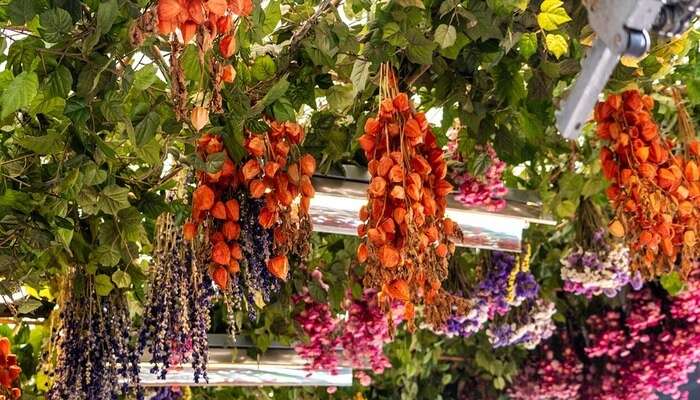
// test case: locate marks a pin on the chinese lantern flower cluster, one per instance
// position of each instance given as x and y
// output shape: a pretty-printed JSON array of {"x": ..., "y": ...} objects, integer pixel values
[
  {"x": 359, "y": 336},
  {"x": 602, "y": 268},
  {"x": 552, "y": 373},
  {"x": 487, "y": 190},
  {"x": 404, "y": 232},
  {"x": 9, "y": 372},
  {"x": 655, "y": 190},
  {"x": 176, "y": 311},
  {"x": 214, "y": 17},
  {"x": 276, "y": 190}
]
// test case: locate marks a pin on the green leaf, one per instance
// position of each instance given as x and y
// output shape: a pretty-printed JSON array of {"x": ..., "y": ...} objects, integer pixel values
[
  {"x": 21, "y": 11},
  {"x": 273, "y": 15},
  {"x": 672, "y": 282},
  {"x": 693, "y": 87},
  {"x": 340, "y": 97},
  {"x": 19, "y": 93},
  {"x": 283, "y": 110},
  {"x": 566, "y": 209},
  {"x": 107, "y": 13},
  {"x": 103, "y": 285},
  {"x": 131, "y": 225},
  {"x": 145, "y": 77},
  {"x": 113, "y": 198},
  {"x": 146, "y": 129},
  {"x": 527, "y": 45},
  {"x": 420, "y": 49},
  {"x": 275, "y": 93},
  {"x": 552, "y": 15},
  {"x": 411, "y": 3},
  {"x": 55, "y": 24},
  {"x": 445, "y": 35},
  {"x": 360, "y": 75},
  {"x": 263, "y": 68},
  {"x": 190, "y": 63},
  {"x": 46, "y": 144},
  {"x": 27, "y": 306},
  {"x": 452, "y": 52},
  {"x": 121, "y": 279},
  {"x": 556, "y": 44},
  {"x": 106, "y": 255},
  {"x": 391, "y": 32}
]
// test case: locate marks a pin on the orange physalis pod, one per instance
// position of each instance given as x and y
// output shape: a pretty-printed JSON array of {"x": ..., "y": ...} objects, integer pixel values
[
  {"x": 271, "y": 169},
  {"x": 231, "y": 230},
  {"x": 398, "y": 193},
  {"x": 189, "y": 231},
  {"x": 645, "y": 238},
  {"x": 377, "y": 187},
  {"x": 307, "y": 164},
  {"x": 188, "y": 30},
  {"x": 396, "y": 174},
  {"x": 616, "y": 229},
  {"x": 394, "y": 129},
  {"x": 366, "y": 143},
  {"x": 668, "y": 248},
  {"x": 294, "y": 174},
  {"x": 228, "y": 168},
  {"x": 372, "y": 127},
  {"x": 227, "y": 45},
  {"x": 666, "y": 178},
  {"x": 389, "y": 256},
  {"x": 689, "y": 238},
  {"x": 199, "y": 118},
  {"x": 412, "y": 128},
  {"x": 361, "y": 230},
  {"x": 232, "y": 210},
  {"x": 305, "y": 186},
  {"x": 692, "y": 173},
  {"x": 203, "y": 198},
  {"x": 364, "y": 213},
  {"x": 251, "y": 169},
  {"x": 233, "y": 267},
  {"x": 449, "y": 227},
  {"x": 362, "y": 253},
  {"x": 432, "y": 234},
  {"x": 217, "y": 7},
  {"x": 282, "y": 149},
  {"x": 441, "y": 250},
  {"x": 399, "y": 215},
  {"x": 266, "y": 218},
  {"x": 443, "y": 188},
  {"x": 384, "y": 166},
  {"x": 305, "y": 204},
  {"x": 642, "y": 153},
  {"x": 216, "y": 237},
  {"x": 236, "y": 251},
  {"x": 220, "y": 277},
  {"x": 649, "y": 131},
  {"x": 224, "y": 24},
  {"x": 401, "y": 102},
  {"x": 241, "y": 7},
  {"x": 376, "y": 236},
  {"x": 398, "y": 290},
  {"x": 420, "y": 165},
  {"x": 388, "y": 226},
  {"x": 169, "y": 12},
  {"x": 386, "y": 108},
  {"x": 220, "y": 253},
  {"x": 694, "y": 147},
  {"x": 647, "y": 170},
  {"x": 219, "y": 210},
  {"x": 255, "y": 146},
  {"x": 279, "y": 267},
  {"x": 214, "y": 145},
  {"x": 257, "y": 188}
]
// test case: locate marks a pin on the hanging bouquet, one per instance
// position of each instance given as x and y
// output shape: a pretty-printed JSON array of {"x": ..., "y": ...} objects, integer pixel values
[
  {"x": 526, "y": 325},
  {"x": 176, "y": 311},
  {"x": 254, "y": 213},
  {"x": 9, "y": 372},
  {"x": 406, "y": 238},
  {"x": 479, "y": 181},
  {"x": 655, "y": 188},
  {"x": 595, "y": 265}
]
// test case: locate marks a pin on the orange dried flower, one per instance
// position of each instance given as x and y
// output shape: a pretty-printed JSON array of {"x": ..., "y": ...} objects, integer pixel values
[
  {"x": 203, "y": 198},
  {"x": 399, "y": 290},
  {"x": 257, "y": 188},
  {"x": 220, "y": 253},
  {"x": 307, "y": 164},
  {"x": 233, "y": 210},
  {"x": 389, "y": 256},
  {"x": 199, "y": 117},
  {"x": 377, "y": 187},
  {"x": 241, "y": 7},
  {"x": 231, "y": 230},
  {"x": 227, "y": 46},
  {"x": 219, "y": 210},
  {"x": 236, "y": 251},
  {"x": 255, "y": 146},
  {"x": 279, "y": 267},
  {"x": 220, "y": 277},
  {"x": 251, "y": 169}
]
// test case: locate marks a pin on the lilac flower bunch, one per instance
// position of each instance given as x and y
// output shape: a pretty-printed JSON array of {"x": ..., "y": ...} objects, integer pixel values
[
  {"x": 528, "y": 325},
  {"x": 91, "y": 356},
  {"x": 176, "y": 311},
  {"x": 600, "y": 268}
]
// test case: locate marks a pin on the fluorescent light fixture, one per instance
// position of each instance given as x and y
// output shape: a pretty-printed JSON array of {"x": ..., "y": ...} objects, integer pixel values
[
  {"x": 230, "y": 366},
  {"x": 335, "y": 208}
]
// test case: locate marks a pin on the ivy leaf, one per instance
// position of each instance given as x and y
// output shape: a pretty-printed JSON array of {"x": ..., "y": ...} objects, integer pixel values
[
  {"x": 556, "y": 44},
  {"x": 21, "y": 11},
  {"x": 55, "y": 24},
  {"x": 146, "y": 129},
  {"x": 273, "y": 14},
  {"x": 113, "y": 198},
  {"x": 107, "y": 13},
  {"x": 19, "y": 93},
  {"x": 360, "y": 75},
  {"x": 552, "y": 15},
  {"x": 121, "y": 279},
  {"x": 527, "y": 45},
  {"x": 103, "y": 285},
  {"x": 445, "y": 35},
  {"x": 419, "y": 49},
  {"x": 672, "y": 282}
]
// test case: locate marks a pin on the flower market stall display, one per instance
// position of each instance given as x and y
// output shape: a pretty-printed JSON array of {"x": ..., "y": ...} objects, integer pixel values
[
  {"x": 9, "y": 372},
  {"x": 654, "y": 187},
  {"x": 596, "y": 265},
  {"x": 254, "y": 213},
  {"x": 406, "y": 237},
  {"x": 176, "y": 311},
  {"x": 90, "y": 354}
]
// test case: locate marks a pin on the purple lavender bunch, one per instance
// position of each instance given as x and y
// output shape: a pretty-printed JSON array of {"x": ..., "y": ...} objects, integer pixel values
[
  {"x": 473, "y": 322},
  {"x": 495, "y": 286},
  {"x": 168, "y": 393},
  {"x": 92, "y": 357},
  {"x": 176, "y": 311},
  {"x": 527, "y": 325}
]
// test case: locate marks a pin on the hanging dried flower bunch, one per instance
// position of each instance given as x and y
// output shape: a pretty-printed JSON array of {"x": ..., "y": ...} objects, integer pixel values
[
  {"x": 9, "y": 372},
  {"x": 255, "y": 214},
  {"x": 405, "y": 234},
  {"x": 213, "y": 25},
  {"x": 176, "y": 310},
  {"x": 90, "y": 356},
  {"x": 655, "y": 190}
]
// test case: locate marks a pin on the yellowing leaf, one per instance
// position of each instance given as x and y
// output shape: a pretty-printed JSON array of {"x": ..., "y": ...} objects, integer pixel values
[
  {"x": 629, "y": 61},
  {"x": 552, "y": 15},
  {"x": 556, "y": 44}
]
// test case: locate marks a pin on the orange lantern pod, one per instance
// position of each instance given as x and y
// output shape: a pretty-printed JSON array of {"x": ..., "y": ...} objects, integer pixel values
[
  {"x": 189, "y": 231},
  {"x": 220, "y": 253},
  {"x": 279, "y": 267},
  {"x": 220, "y": 277}
]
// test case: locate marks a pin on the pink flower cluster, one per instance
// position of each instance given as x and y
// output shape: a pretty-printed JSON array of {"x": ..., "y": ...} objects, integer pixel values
[
  {"x": 550, "y": 376},
  {"x": 488, "y": 190},
  {"x": 361, "y": 335},
  {"x": 638, "y": 353}
]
